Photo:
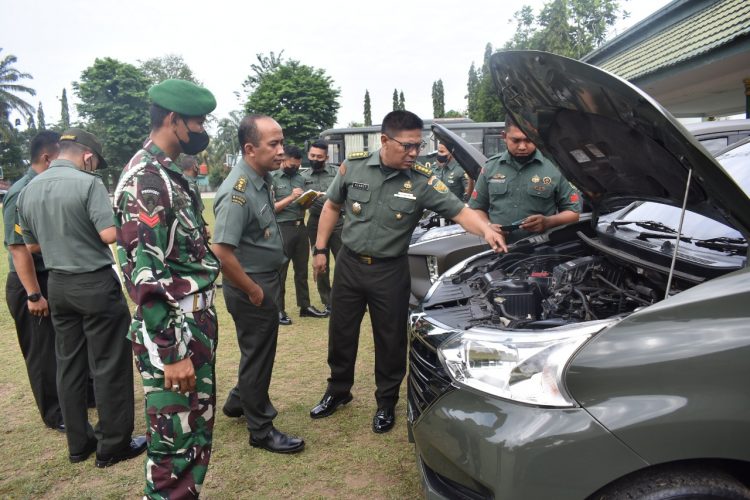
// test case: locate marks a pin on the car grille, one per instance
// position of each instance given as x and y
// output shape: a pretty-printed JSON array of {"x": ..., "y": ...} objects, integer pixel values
[{"x": 428, "y": 379}]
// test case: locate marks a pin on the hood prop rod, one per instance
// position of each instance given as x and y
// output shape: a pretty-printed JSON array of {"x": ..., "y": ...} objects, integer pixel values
[{"x": 679, "y": 234}]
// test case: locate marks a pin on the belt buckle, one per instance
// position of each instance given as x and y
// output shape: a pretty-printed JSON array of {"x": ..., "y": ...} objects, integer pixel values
[
  {"x": 365, "y": 259},
  {"x": 195, "y": 301}
]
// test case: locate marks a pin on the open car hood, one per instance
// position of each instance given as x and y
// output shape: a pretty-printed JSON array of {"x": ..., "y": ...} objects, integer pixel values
[
  {"x": 610, "y": 139},
  {"x": 469, "y": 157}
]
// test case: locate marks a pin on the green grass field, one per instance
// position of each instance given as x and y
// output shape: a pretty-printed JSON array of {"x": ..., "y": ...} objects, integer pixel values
[{"x": 343, "y": 457}]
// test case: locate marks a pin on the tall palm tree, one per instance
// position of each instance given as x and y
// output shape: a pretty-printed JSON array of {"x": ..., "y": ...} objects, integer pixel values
[{"x": 9, "y": 87}]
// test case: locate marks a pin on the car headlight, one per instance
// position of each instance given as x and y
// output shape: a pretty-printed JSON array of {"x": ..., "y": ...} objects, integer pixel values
[{"x": 523, "y": 366}]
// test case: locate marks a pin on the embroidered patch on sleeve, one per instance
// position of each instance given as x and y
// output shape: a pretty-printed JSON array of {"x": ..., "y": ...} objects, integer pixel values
[
  {"x": 574, "y": 198},
  {"x": 17, "y": 229},
  {"x": 149, "y": 220},
  {"x": 474, "y": 195}
]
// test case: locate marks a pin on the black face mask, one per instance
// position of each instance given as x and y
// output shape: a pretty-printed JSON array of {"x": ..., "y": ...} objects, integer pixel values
[
  {"x": 522, "y": 160},
  {"x": 197, "y": 141},
  {"x": 290, "y": 171},
  {"x": 317, "y": 164},
  {"x": 443, "y": 159}
]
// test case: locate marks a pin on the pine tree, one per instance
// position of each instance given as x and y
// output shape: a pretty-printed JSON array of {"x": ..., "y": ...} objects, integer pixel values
[
  {"x": 368, "y": 111},
  {"x": 438, "y": 99},
  {"x": 395, "y": 99},
  {"x": 401, "y": 101},
  {"x": 40, "y": 118},
  {"x": 64, "y": 113}
]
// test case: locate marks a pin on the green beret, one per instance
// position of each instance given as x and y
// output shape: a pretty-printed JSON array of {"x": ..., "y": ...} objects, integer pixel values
[{"x": 183, "y": 97}]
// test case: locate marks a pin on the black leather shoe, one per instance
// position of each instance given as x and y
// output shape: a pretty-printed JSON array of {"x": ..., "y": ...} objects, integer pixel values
[
  {"x": 136, "y": 447},
  {"x": 311, "y": 312},
  {"x": 284, "y": 319},
  {"x": 59, "y": 427},
  {"x": 232, "y": 412},
  {"x": 85, "y": 454},
  {"x": 278, "y": 442},
  {"x": 329, "y": 404},
  {"x": 328, "y": 309},
  {"x": 383, "y": 420}
]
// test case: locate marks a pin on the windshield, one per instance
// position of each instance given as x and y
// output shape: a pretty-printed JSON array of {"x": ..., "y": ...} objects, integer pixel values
[{"x": 737, "y": 163}]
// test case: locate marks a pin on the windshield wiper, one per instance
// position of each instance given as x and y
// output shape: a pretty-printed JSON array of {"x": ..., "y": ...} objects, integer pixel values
[
  {"x": 646, "y": 224},
  {"x": 732, "y": 245}
]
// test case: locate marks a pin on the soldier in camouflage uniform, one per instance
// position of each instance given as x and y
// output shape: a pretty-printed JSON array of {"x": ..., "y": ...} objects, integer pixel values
[{"x": 169, "y": 272}]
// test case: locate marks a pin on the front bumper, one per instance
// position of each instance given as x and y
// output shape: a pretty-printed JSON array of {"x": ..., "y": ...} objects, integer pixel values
[{"x": 471, "y": 445}]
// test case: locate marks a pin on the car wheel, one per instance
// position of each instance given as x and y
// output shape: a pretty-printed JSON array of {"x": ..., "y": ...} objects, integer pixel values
[{"x": 676, "y": 483}]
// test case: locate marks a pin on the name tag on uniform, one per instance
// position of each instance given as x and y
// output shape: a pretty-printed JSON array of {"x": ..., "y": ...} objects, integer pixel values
[
  {"x": 498, "y": 181},
  {"x": 407, "y": 196},
  {"x": 361, "y": 185}
]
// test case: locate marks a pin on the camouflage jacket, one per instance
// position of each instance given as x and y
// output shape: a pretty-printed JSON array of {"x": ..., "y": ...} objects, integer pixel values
[{"x": 162, "y": 247}]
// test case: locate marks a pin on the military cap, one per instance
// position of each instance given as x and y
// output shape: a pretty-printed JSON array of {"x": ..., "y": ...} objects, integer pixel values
[
  {"x": 85, "y": 139},
  {"x": 183, "y": 97}
]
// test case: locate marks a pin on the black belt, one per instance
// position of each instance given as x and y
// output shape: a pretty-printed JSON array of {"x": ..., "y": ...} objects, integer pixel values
[
  {"x": 368, "y": 259},
  {"x": 291, "y": 222}
]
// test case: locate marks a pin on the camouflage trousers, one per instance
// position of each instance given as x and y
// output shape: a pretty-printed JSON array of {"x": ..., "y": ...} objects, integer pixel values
[{"x": 180, "y": 426}]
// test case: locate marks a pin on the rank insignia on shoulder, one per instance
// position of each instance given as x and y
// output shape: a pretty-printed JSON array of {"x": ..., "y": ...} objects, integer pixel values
[
  {"x": 240, "y": 200},
  {"x": 427, "y": 172},
  {"x": 358, "y": 155},
  {"x": 240, "y": 185}
]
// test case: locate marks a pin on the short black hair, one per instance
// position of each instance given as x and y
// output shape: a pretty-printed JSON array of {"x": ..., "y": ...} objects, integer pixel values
[
  {"x": 320, "y": 144},
  {"x": 510, "y": 122},
  {"x": 400, "y": 120},
  {"x": 293, "y": 152},
  {"x": 45, "y": 141},
  {"x": 188, "y": 161},
  {"x": 248, "y": 131},
  {"x": 157, "y": 116},
  {"x": 74, "y": 147}
]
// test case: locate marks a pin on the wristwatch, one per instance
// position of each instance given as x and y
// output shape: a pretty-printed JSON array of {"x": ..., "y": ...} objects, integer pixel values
[
  {"x": 34, "y": 297},
  {"x": 317, "y": 251}
]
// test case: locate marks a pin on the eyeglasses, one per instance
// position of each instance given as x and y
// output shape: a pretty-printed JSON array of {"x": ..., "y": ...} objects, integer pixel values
[{"x": 408, "y": 146}]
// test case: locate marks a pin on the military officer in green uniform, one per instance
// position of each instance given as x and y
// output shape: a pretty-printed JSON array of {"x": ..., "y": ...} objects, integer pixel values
[
  {"x": 288, "y": 186},
  {"x": 65, "y": 213},
  {"x": 450, "y": 172},
  {"x": 521, "y": 186},
  {"x": 169, "y": 271},
  {"x": 318, "y": 177},
  {"x": 383, "y": 194},
  {"x": 248, "y": 242},
  {"x": 26, "y": 291}
]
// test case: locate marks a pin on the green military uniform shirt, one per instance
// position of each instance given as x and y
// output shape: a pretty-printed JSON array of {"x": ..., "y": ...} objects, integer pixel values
[
  {"x": 452, "y": 176},
  {"x": 245, "y": 220},
  {"x": 319, "y": 180},
  {"x": 509, "y": 191},
  {"x": 63, "y": 210},
  {"x": 13, "y": 233},
  {"x": 383, "y": 205},
  {"x": 283, "y": 185}
]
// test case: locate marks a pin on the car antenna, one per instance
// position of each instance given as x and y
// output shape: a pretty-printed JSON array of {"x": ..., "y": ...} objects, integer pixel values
[{"x": 679, "y": 234}]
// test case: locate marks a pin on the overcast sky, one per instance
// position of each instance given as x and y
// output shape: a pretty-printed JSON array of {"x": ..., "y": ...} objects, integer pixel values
[{"x": 378, "y": 45}]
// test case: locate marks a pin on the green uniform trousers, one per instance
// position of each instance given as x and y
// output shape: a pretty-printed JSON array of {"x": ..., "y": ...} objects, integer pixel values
[
  {"x": 334, "y": 244},
  {"x": 91, "y": 320},
  {"x": 257, "y": 333},
  {"x": 297, "y": 250},
  {"x": 382, "y": 287},
  {"x": 36, "y": 337}
]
